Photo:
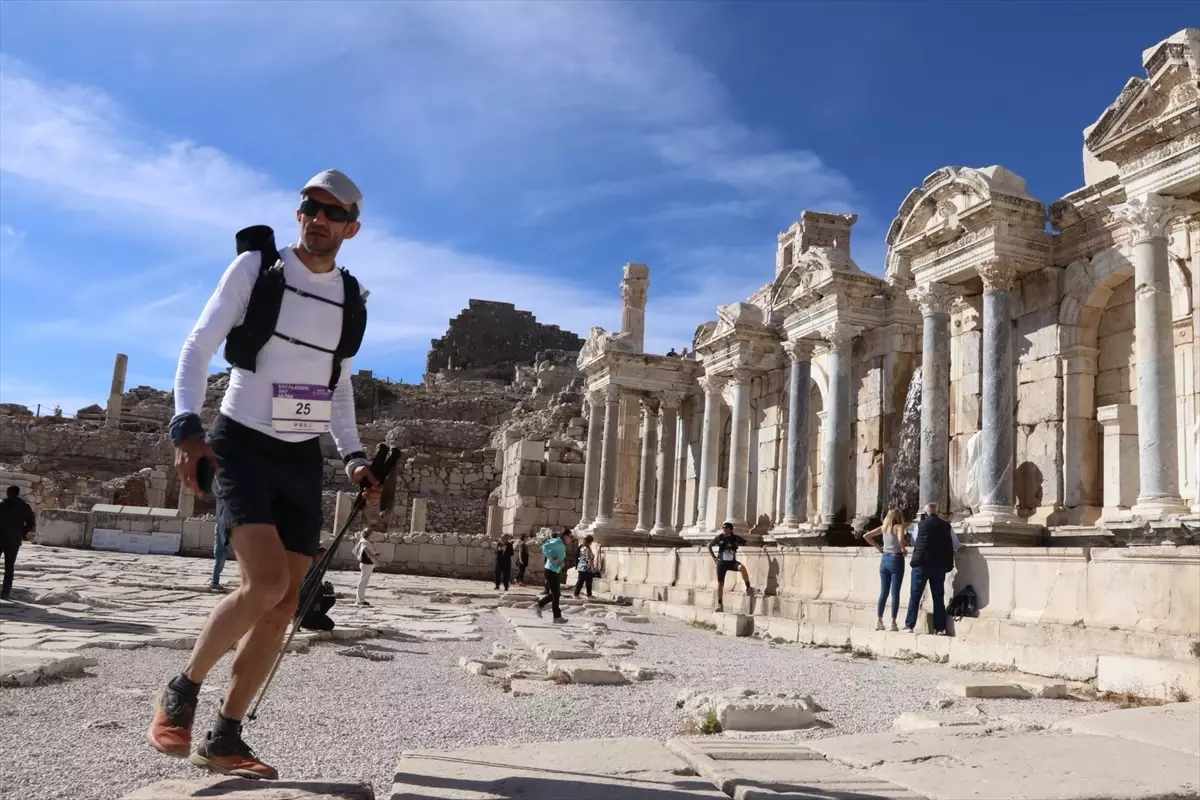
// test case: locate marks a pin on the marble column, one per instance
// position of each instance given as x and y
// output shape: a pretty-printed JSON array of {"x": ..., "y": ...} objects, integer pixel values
[
  {"x": 646, "y": 477},
  {"x": 608, "y": 456},
  {"x": 710, "y": 443},
  {"x": 116, "y": 392},
  {"x": 680, "y": 517},
  {"x": 739, "y": 448},
  {"x": 669, "y": 405},
  {"x": 795, "y": 509},
  {"x": 995, "y": 465},
  {"x": 634, "y": 286},
  {"x": 1149, "y": 219},
  {"x": 935, "y": 300},
  {"x": 835, "y": 483},
  {"x": 592, "y": 461}
]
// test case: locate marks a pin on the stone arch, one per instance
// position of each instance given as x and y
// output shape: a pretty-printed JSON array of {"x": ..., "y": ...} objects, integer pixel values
[{"x": 1089, "y": 285}]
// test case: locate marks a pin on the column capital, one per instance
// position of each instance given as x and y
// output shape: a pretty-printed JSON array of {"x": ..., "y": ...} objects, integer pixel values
[
  {"x": 741, "y": 376},
  {"x": 595, "y": 397},
  {"x": 671, "y": 400},
  {"x": 1149, "y": 216},
  {"x": 612, "y": 393},
  {"x": 933, "y": 298},
  {"x": 649, "y": 406},
  {"x": 997, "y": 275},
  {"x": 712, "y": 384},
  {"x": 1080, "y": 358},
  {"x": 840, "y": 335},
  {"x": 798, "y": 349}
]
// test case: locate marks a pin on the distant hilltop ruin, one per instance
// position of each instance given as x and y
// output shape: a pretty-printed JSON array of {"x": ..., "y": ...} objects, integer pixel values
[{"x": 490, "y": 339}]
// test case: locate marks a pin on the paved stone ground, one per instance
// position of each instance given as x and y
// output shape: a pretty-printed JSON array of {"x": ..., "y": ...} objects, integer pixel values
[{"x": 339, "y": 718}]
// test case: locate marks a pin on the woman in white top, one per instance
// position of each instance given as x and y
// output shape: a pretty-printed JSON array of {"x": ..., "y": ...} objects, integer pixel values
[
  {"x": 891, "y": 566},
  {"x": 368, "y": 557}
]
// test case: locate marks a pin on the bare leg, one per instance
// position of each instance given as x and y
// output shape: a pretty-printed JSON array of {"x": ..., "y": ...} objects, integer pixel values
[
  {"x": 720, "y": 588},
  {"x": 258, "y": 649},
  {"x": 265, "y": 578},
  {"x": 745, "y": 576}
]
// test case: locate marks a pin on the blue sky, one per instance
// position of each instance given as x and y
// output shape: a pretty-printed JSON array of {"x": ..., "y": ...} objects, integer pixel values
[{"x": 517, "y": 152}]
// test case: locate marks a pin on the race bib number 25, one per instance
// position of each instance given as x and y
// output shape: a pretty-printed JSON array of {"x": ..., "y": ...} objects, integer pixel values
[{"x": 301, "y": 408}]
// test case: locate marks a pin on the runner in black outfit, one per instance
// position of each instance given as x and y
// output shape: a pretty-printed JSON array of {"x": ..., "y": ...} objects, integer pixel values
[{"x": 727, "y": 543}]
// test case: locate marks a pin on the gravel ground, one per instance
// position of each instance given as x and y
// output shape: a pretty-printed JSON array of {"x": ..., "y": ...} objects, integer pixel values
[{"x": 329, "y": 716}]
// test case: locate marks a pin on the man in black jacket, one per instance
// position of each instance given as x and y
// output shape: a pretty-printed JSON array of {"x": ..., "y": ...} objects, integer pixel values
[
  {"x": 16, "y": 522},
  {"x": 932, "y": 558}
]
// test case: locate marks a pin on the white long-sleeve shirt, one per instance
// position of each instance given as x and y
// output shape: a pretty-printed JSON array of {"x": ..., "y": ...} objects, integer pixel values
[{"x": 248, "y": 398}]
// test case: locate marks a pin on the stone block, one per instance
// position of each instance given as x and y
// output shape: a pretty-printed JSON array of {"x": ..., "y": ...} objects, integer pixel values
[
  {"x": 932, "y": 720},
  {"x": 529, "y": 688},
  {"x": 530, "y": 450},
  {"x": 1039, "y": 401},
  {"x": 587, "y": 672},
  {"x": 1018, "y": 686},
  {"x": 547, "y": 487},
  {"x": 1148, "y": 677},
  {"x": 748, "y": 710}
]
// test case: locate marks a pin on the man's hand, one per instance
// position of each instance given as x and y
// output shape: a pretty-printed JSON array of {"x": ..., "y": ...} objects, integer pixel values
[
  {"x": 187, "y": 456},
  {"x": 372, "y": 490}
]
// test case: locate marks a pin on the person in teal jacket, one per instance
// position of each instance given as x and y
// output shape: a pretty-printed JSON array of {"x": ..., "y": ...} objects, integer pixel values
[{"x": 555, "y": 550}]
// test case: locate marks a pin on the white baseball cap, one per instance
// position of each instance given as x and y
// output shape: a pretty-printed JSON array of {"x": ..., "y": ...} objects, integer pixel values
[{"x": 338, "y": 185}]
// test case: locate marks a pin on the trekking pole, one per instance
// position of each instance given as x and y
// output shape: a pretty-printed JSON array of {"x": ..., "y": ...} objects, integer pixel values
[{"x": 383, "y": 464}]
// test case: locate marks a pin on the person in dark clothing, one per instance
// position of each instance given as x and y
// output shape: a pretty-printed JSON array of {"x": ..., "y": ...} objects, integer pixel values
[
  {"x": 522, "y": 554},
  {"x": 727, "y": 544},
  {"x": 318, "y": 618},
  {"x": 932, "y": 559},
  {"x": 568, "y": 538},
  {"x": 585, "y": 566},
  {"x": 16, "y": 523},
  {"x": 503, "y": 568}
]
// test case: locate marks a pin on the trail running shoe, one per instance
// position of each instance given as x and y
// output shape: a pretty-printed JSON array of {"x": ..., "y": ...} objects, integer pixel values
[
  {"x": 229, "y": 755},
  {"x": 171, "y": 728}
]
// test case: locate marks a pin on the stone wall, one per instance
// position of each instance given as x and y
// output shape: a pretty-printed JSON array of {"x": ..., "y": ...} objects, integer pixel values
[
  {"x": 446, "y": 555},
  {"x": 1127, "y": 619},
  {"x": 541, "y": 486},
  {"x": 101, "y": 453},
  {"x": 495, "y": 336}
]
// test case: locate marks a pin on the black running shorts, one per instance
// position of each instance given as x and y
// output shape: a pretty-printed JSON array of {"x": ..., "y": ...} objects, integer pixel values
[
  {"x": 267, "y": 481},
  {"x": 724, "y": 567}
]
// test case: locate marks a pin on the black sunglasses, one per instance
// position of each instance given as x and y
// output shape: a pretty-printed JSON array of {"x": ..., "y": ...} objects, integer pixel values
[{"x": 333, "y": 213}]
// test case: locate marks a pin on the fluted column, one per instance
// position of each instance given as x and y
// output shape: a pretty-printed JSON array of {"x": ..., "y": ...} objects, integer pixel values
[
  {"x": 935, "y": 300},
  {"x": 795, "y": 498},
  {"x": 710, "y": 443},
  {"x": 646, "y": 478},
  {"x": 995, "y": 474},
  {"x": 608, "y": 456},
  {"x": 592, "y": 461},
  {"x": 835, "y": 485},
  {"x": 1149, "y": 219},
  {"x": 669, "y": 405},
  {"x": 739, "y": 448}
]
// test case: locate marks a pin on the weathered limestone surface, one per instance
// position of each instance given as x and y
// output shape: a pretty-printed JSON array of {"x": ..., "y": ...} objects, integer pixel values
[{"x": 243, "y": 789}]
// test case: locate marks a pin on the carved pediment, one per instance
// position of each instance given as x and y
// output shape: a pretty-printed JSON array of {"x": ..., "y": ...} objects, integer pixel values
[
  {"x": 704, "y": 332},
  {"x": 1155, "y": 109},
  {"x": 732, "y": 315},
  {"x": 600, "y": 341}
]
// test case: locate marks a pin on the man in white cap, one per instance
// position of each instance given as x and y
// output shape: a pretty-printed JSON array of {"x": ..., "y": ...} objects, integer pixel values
[{"x": 291, "y": 320}]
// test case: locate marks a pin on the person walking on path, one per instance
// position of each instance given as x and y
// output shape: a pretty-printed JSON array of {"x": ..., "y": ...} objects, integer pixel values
[
  {"x": 891, "y": 565},
  {"x": 502, "y": 570},
  {"x": 555, "y": 551},
  {"x": 584, "y": 566},
  {"x": 291, "y": 321},
  {"x": 367, "y": 557},
  {"x": 220, "y": 547},
  {"x": 522, "y": 554},
  {"x": 727, "y": 544},
  {"x": 17, "y": 521},
  {"x": 932, "y": 559}
]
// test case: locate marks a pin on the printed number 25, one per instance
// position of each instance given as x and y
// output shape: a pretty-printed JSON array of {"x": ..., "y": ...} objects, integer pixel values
[{"x": 303, "y": 408}]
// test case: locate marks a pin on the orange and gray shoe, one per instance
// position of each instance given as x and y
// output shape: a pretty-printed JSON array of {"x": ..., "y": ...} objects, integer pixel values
[
  {"x": 229, "y": 755},
  {"x": 171, "y": 728}
]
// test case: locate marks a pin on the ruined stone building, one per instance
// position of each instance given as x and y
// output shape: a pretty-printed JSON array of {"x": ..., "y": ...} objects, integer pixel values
[
  {"x": 490, "y": 339},
  {"x": 1030, "y": 367}
]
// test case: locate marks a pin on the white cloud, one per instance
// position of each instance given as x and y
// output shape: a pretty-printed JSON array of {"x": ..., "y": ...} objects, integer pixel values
[{"x": 75, "y": 145}]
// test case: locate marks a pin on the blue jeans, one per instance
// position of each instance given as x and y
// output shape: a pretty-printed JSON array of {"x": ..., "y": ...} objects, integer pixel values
[
  {"x": 891, "y": 578},
  {"x": 936, "y": 578},
  {"x": 220, "y": 543}
]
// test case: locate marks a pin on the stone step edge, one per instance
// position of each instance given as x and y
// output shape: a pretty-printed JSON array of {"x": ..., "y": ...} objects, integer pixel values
[
  {"x": 1117, "y": 672},
  {"x": 731, "y": 782}
]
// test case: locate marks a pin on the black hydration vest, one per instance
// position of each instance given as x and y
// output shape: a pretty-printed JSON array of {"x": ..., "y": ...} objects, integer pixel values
[{"x": 266, "y": 298}]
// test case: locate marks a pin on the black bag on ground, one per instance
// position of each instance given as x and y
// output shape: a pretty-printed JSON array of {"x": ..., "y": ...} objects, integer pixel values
[{"x": 964, "y": 604}]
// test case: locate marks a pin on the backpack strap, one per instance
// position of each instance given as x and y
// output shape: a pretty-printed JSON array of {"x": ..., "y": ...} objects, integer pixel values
[
  {"x": 354, "y": 325},
  {"x": 266, "y": 298}
]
